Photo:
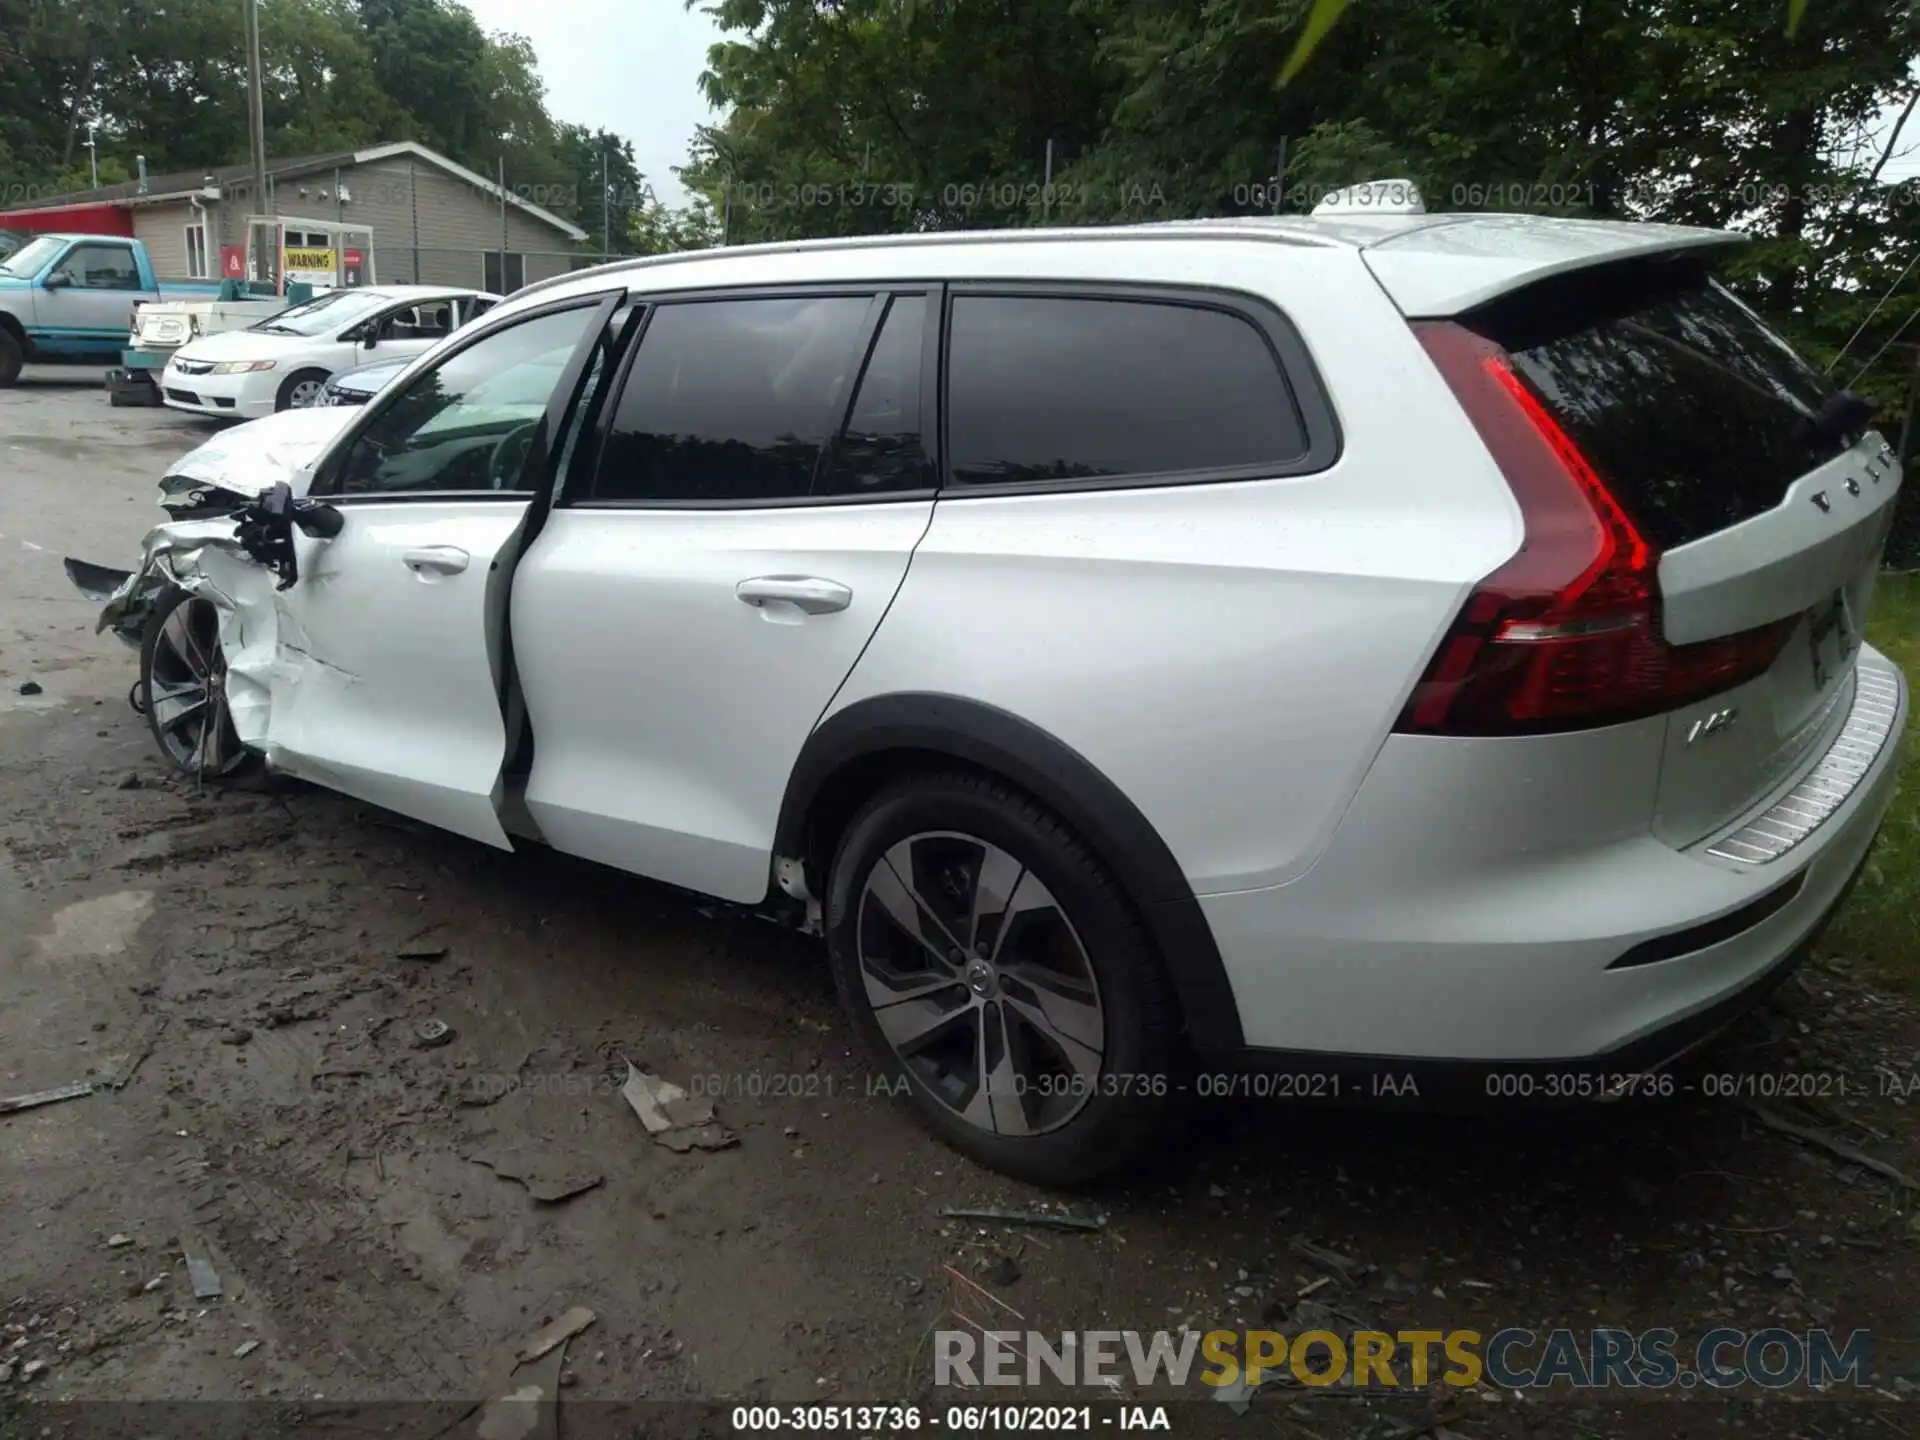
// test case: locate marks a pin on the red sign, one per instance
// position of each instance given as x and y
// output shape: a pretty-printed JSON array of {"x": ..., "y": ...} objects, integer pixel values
[
  {"x": 352, "y": 259},
  {"x": 233, "y": 262}
]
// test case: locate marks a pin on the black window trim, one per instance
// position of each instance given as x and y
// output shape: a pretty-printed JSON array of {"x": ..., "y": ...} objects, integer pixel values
[
  {"x": 1291, "y": 357},
  {"x": 371, "y": 411},
  {"x": 881, "y": 292}
]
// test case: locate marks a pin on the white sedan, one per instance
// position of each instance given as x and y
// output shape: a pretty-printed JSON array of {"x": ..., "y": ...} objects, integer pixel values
[{"x": 285, "y": 361}]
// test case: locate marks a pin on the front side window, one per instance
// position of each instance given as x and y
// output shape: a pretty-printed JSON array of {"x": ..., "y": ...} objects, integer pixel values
[
  {"x": 732, "y": 401},
  {"x": 469, "y": 423},
  {"x": 1044, "y": 388},
  {"x": 429, "y": 320},
  {"x": 101, "y": 267}
]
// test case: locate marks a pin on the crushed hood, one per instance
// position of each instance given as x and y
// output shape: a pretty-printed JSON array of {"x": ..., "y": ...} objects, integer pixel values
[{"x": 249, "y": 458}]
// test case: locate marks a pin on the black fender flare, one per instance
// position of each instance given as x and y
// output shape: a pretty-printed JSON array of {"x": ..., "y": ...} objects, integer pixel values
[{"x": 988, "y": 738}]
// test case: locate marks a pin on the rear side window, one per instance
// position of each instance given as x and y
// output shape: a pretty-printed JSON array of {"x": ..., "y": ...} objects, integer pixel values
[
  {"x": 1065, "y": 388},
  {"x": 1696, "y": 414},
  {"x": 731, "y": 401}
]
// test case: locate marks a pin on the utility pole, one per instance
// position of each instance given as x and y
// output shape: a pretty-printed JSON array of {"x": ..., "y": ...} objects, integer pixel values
[
  {"x": 1046, "y": 189},
  {"x": 93, "y": 154},
  {"x": 256, "y": 108},
  {"x": 606, "y": 233}
]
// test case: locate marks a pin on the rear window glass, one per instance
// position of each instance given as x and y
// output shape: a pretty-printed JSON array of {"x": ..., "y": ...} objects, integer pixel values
[
  {"x": 1044, "y": 388},
  {"x": 1695, "y": 412}
]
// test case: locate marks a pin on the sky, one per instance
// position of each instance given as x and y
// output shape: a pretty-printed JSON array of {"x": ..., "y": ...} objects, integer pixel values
[{"x": 629, "y": 66}]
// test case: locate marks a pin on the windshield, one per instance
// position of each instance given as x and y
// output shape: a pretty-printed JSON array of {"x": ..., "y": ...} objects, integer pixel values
[
  {"x": 324, "y": 313},
  {"x": 28, "y": 259}
]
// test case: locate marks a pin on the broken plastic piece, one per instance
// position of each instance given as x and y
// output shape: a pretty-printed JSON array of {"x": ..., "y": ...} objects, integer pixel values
[
  {"x": 45, "y": 1097},
  {"x": 1026, "y": 1217}
]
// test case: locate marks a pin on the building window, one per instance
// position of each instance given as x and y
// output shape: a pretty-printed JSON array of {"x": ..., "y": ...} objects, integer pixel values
[
  {"x": 494, "y": 282},
  {"x": 197, "y": 267}
]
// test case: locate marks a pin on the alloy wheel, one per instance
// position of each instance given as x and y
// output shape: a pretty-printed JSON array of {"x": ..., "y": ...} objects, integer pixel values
[
  {"x": 980, "y": 983},
  {"x": 186, "y": 691}
]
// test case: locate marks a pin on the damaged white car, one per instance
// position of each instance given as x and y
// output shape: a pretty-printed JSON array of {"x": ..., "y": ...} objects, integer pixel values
[{"x": 1310, "y": 645}]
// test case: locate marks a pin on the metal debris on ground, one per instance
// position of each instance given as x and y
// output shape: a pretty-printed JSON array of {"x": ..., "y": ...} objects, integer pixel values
[
  {"x": 1044, "y": 1218},
  {"x": 1343, "y": 1267},
  {"x": 672, "y": 1118},
  {"x": 425, "y": 953},
  {"x": 549, "y": 1179},
  {"x": 245, "y": 1348},
  {"x": 553, "y": 1333},
  {"x": 1833, "y": 1145},
  {"x": 38, "y": 1098},
  {"x": 200, "y": 1272},
  {"x": 431, "y": 1034}
]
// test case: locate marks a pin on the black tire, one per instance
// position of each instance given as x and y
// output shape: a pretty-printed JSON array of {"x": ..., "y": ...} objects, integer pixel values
[
  {"x": 284, "y": 399},
  {"x": 179, "y": 742},
  {"x": 12, "y": 357},
  {"x": 1140, "y": 1081}
]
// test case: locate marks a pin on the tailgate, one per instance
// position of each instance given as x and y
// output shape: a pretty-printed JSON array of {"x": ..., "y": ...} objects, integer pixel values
[{"x": 1767, "y": 502}]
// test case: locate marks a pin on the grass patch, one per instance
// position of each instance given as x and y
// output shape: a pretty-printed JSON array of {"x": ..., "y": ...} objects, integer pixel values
[{"x": 1879, "y": 931}]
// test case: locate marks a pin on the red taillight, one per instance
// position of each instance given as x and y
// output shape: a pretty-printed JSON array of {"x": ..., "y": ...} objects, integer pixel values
[{"x": 1566, "y": 634}]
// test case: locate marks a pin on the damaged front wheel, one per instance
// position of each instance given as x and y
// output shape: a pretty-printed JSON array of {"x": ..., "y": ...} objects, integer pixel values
[{"x": 183, "y": 677}]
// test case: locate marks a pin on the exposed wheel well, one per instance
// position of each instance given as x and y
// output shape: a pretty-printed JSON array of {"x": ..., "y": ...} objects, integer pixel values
[{"x": 858, "y": 781}]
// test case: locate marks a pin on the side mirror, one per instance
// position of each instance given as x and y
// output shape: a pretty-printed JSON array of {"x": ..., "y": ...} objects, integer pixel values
[
  {"x": 316, "y": 518},
  {"x": 368, "y": 338},
  {"x": 58, "y": 280}
]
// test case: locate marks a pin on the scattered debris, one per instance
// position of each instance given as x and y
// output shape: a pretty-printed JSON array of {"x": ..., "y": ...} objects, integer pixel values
[
  {"x": 554, "y": 1333},
  {"x": 200, "y": 1271},
  {"x": 426, "y": 954},
  {"x": 29, "y": 687},
  {"x": 116, "y": 1074},
  {"x": 1833, "y": 1145},
  {"x": 153, "y": 1284},
  {"x": 6, "y": 1372},
  {"x": 1343, "y": 1267},
  {"x": 431, "y": 1034},
  {"x": 38, "y": 1098},
  {"x": 116, "y": 1240},
  {"x": 245, "y": 1348},
  {"x": 549, "y": 1179},
  {"x": 671, "y": 1118},
  {"x": 129, "y": 781},
  {"x": 235, "y": 1035},
  {"x": 1043, "y": 1218},
  {"x": 1313, "y": 1285},
  {"x": 1005, "y": 1273},
  {"x": 33, "y": 1369}
]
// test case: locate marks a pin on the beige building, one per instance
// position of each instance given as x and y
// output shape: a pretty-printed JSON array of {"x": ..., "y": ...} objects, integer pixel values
[{"x": 397, "y": 213}]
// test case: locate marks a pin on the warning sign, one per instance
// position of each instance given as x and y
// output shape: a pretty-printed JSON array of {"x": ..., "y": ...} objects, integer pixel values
[{"x": 304, "y": 259}]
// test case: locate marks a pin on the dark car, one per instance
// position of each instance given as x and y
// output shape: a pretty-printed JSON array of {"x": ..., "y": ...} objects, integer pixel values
[{"x": 363, "y": 382}]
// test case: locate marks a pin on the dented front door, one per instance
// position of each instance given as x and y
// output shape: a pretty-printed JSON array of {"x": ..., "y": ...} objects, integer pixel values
[{"x": 389, "y": 673}]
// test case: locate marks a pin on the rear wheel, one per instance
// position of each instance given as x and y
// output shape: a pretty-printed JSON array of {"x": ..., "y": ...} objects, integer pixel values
[
  {"x": 997, "y": 973},
  {"x": 301, "y": 389},
  {"x": 183, "y": 676},
  {"x": 12, "y": 356}
]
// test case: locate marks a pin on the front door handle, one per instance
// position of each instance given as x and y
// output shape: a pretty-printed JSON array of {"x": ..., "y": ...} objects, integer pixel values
[
  {"x": 437, "y": 559},
  {"x": 806, "y": 592}
]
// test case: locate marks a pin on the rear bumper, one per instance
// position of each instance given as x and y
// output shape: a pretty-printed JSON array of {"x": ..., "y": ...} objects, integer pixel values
[{"x": 1460, "y": 917}]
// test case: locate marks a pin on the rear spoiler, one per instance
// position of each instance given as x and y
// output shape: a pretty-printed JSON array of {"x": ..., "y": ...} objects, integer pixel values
[{"x": 1459, "y": 262}]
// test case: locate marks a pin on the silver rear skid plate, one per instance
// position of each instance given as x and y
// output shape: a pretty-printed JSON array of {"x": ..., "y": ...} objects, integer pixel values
[{"x": 1826, "y": 787}]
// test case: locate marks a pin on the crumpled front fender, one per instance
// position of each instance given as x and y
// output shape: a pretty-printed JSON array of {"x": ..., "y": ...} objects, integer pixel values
[{"x": 206, "y": 558}]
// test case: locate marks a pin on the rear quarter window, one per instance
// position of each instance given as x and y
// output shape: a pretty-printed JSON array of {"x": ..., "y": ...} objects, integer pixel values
[{"x": 1045, "y": 388}]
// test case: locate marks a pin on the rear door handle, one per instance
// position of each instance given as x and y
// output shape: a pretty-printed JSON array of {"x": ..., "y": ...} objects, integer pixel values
[
  {"x": 807, "y": 592},
  {"x": 438, "y": 559}
]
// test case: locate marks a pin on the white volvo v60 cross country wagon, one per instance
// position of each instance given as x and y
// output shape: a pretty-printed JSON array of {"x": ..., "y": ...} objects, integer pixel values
[{"x": 1340, "y": 645}]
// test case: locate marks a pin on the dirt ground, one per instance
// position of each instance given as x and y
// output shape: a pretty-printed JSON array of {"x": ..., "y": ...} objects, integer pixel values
[{"x": 252, "y": 967}]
